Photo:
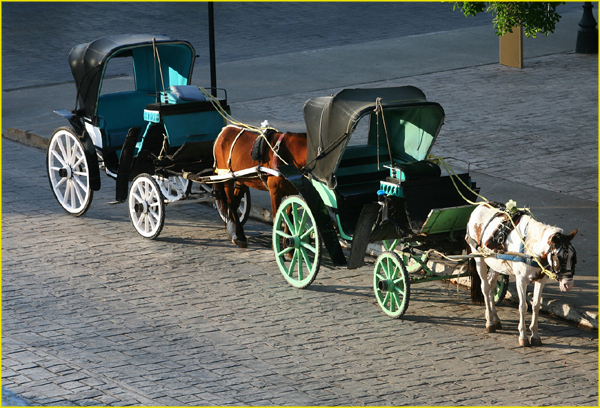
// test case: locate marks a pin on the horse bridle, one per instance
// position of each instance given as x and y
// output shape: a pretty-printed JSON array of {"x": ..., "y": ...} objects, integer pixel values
[{"x": 558, "y": 257}]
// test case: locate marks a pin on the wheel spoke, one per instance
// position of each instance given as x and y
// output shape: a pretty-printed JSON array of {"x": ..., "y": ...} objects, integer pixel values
[
  {"x": 298, "y": 255},
  {"x": 307, "y": 232},
  {"x": 284, "y": 251},
  {"x": 59, "y": 183},
  {"x": 292, "y": 263},
  {"x": 282, "y": 234},
  {"x": 288, "y": 222},
  {"x": 302, "y": 222},
  {"x": 306, "y": 245},
  {"x": 59, "y": 158},
  {"x": 78, "y": 187},
  {"x": 306, "y": 259}
]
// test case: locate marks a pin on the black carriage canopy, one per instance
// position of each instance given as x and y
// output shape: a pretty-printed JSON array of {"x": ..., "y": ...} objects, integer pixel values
[
  {"x": 411, "y": 121},
  {"x": 88, "y": 62}
]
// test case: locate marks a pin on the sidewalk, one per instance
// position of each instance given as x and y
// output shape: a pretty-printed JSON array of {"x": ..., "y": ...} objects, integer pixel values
[{"x": 530, "y": 134}]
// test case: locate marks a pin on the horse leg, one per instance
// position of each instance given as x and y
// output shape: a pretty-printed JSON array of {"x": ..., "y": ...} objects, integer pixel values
[
  {"x": 234, "y": 226},
  {"x": 488, "y": 300},
  {"x": 535, "y": 305},
  {"x": 521, "y": 290},
  {"x": 492, "y": 278}
]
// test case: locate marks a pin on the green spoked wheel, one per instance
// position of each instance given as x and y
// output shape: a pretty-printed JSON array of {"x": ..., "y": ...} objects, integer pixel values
[
  {"x": 391, "y": 284},
  {"x": 501, "y": 288},
  {"x": 296, "y": 242}
]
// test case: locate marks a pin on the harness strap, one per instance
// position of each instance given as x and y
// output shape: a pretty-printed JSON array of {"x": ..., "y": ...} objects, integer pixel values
[
  {"x": 276, "y": 158},
  {"x": 231, "y": 150}
]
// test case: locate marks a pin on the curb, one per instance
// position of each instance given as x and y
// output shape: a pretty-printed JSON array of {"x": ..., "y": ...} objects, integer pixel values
[
  {"x": 26, "y": 138},
  {"x": 552, "y": 307}
]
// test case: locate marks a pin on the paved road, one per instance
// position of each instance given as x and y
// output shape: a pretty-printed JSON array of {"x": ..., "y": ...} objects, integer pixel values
[{"x": 93, "y": 314}]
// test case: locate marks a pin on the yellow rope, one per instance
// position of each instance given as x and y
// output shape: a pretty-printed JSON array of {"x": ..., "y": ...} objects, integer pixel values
[{"x": 511, "y": 204}]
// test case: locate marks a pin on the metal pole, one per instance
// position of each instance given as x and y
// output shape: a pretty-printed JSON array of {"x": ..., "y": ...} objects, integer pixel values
[
  {"x": 211, "y": 40},
  {"x": 587, "y": 34}
]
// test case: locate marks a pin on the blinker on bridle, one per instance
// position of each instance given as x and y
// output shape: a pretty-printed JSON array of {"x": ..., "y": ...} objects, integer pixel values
[{"x": 558, "y": 257}]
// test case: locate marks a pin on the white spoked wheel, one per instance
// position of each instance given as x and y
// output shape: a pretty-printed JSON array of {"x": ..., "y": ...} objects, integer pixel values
[
  {"x": 296, "y": 242},
  {"x": 146, "y": 206},
  {"x": 173, "y": 188},
  {"x": 68, "y": 172}
]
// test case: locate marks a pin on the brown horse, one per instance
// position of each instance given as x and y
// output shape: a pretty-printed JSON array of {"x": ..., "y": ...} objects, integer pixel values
[{"x": 233, "y": 152}]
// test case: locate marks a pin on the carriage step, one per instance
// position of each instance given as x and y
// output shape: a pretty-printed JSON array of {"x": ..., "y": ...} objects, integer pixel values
[{"x": 116, "y": 202}]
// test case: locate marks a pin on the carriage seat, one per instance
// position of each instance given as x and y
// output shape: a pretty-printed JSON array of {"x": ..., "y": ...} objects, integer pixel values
[
  {"x": 417, "y": 170},
  {"x": 119, "y": 112}
]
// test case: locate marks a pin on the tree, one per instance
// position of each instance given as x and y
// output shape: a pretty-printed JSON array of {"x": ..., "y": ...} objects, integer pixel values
[{"x": 535, "y": 17}]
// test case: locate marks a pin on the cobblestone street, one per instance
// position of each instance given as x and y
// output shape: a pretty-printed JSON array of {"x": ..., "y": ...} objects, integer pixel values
[{"x": 93, "y": 314}]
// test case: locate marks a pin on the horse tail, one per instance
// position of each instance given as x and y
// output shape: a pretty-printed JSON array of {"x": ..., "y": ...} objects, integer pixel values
[
  {"x": 476, "y": 293},
  {"x": 221, "y": 199}
]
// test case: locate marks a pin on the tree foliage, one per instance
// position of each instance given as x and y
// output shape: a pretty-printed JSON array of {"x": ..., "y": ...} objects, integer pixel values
[{"x": 535, "y": 17}]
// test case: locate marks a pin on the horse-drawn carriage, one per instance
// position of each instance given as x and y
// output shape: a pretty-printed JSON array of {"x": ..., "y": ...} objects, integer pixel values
[
  {"x": 382, "y": 188},
  {"x": 146, "y": 128},
  {"x": 161, "y": 133}
]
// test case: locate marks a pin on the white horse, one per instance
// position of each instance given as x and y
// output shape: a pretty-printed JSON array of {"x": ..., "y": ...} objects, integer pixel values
[{"x": 518, "y": 252}]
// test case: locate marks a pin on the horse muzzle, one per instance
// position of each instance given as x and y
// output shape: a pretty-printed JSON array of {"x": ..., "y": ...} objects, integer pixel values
[{"x": 566, "y": 284}]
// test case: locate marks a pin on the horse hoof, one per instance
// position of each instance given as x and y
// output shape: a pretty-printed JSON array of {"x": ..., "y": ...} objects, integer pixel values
[
  {"x": 536, "y": 342},
  {"x": 523, "y": 342},
  {"x": 239, "y": 243},
  {"x": 490, "y": 329}
]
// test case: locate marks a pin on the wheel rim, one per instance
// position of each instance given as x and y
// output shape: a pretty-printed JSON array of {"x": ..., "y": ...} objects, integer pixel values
[
  {"x": 391, "y": 284},
  {"x": 146, "y": 207},
  {"x": 69, "y": 173},
  {"x": 296, "y": 242}
]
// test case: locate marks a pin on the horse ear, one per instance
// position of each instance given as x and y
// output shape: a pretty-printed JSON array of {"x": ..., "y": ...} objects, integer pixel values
[{"x": 572, "y": 235}]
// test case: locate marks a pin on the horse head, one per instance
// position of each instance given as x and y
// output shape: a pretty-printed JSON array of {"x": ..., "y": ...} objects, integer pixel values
[{"x": 562, "y": 258}]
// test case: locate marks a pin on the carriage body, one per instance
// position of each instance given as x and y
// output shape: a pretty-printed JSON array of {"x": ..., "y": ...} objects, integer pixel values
[
  {"x": 141, "y": 123},
  {"x": 368, "y": 179}
]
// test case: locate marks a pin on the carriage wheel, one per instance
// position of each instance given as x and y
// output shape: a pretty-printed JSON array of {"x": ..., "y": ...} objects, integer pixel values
[
  {"x": 146, "y": 206},
  {"x": 173, "y": 188},
  {"x": 501, "y": 288},
  {"x": 243, "y": 210},
  {"x": 68, "y": 172},
  {"x": 391, "y": 284},
  {"x": 296, "y": 242}
]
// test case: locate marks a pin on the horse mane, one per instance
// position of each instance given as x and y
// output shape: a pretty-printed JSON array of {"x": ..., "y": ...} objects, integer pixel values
[{"x": 538, "y": 236}]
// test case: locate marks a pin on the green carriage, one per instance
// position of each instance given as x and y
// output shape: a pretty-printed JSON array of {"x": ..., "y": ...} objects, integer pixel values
[{"x": 368, "y": 179}]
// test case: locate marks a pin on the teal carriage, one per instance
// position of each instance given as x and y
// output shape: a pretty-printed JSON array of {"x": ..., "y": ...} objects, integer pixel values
[
  {"x": 368, "y": 179},
  {"x": 144, "y": 129}
]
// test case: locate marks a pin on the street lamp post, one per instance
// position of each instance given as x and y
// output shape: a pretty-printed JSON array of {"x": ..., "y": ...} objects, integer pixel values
[{"x": 211, "y": 40}]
